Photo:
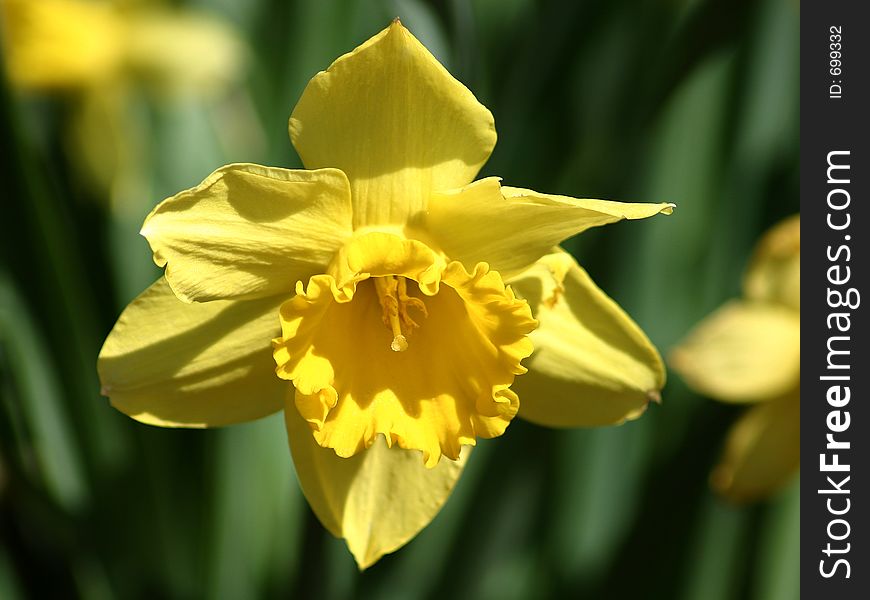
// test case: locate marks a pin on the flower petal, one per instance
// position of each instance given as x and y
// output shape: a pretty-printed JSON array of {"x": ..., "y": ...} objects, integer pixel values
[
  {"x": 592, "y": 364},
  {"x": 762, "y": 451},
  {"x": 511, "y": 228},
  {"x": 174, "y": 364},
  {"x": 743, "y": 352},
  {"x": 774, "y": 275},
  {"x": 392, "y": 118},
  {"x": 445, "y": 387},
  {"x": 249, "y": 231},
  {"x": 183, "y": 51},
  {"x": 379, "y": 499}
]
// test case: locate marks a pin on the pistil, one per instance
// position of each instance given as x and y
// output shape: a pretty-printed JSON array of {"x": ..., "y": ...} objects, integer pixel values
[{"x": 395, "y": 302}]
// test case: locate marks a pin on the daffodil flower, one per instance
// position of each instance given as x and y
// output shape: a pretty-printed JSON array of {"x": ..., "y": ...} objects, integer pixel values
[
  {"x": 748, "y": 351},
  {"x": 101, "y": 52},
  {"x": 375, "y": 281},
  {"x": 74, "y": 44}
]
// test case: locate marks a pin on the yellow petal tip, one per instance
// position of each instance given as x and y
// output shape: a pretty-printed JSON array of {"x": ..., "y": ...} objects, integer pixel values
[{"x": 721, "y": 481}]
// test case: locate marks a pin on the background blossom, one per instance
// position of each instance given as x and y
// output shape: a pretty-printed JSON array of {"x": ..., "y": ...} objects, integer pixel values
[{"x": 749, "y": 351}]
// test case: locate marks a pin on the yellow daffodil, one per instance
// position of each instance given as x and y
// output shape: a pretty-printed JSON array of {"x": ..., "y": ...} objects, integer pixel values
[
  {"x": 375, "y": 281},
  {"x": 101, "y": 53},
  {"x": 74, "y": 44},
  {"x": 749, "y": 351}
]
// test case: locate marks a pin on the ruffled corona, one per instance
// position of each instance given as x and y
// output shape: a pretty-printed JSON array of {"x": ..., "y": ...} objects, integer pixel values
[{"x": 396, "y": 341}]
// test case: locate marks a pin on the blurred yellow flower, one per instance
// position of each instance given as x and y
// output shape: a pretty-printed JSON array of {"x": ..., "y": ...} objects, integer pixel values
[
  {"x": 100, "y": 52},
  {"x": 749, "y": 351},
  {"x": 405, "y": 342},
  {"x": 74, "y": 44}
]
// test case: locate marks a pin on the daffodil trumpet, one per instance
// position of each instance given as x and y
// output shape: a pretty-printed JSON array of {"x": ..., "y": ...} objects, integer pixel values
[{"x": 391, "y": 289}]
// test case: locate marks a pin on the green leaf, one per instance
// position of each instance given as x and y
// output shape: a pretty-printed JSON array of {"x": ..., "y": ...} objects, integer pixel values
[
  {"x": 41, "y": 403},
  {"x": 259, "y": 507}
]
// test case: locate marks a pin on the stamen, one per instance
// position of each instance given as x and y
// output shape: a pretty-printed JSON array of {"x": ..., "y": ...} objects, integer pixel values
[
  {"x": 393, "y": 295},
  {"x": 407, "y": 302}
]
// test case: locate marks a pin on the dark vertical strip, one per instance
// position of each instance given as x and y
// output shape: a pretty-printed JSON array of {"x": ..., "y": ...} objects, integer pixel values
[{"x": 836, "y": 223}]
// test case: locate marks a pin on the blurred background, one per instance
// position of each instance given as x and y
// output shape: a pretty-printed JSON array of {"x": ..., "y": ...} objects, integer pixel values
[{"x": 687, "y": 101}]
